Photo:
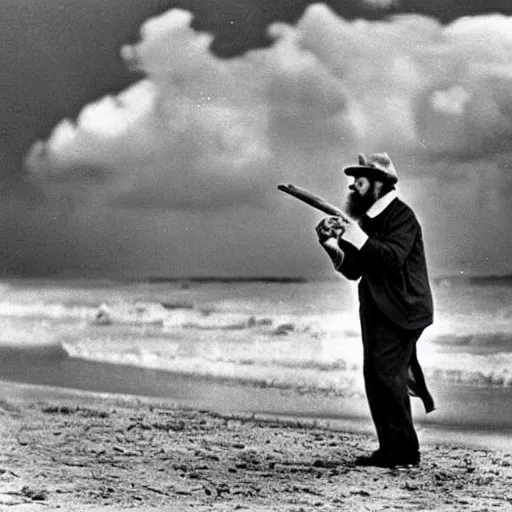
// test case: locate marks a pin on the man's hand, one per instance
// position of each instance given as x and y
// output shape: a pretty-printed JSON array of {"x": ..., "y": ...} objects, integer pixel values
[
  {"x": 328, "y": 231},
  {"x": 329, "y": 227}
]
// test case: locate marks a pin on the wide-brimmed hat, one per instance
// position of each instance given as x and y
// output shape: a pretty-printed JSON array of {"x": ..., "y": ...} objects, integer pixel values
[{"x": 378, "y": 166}]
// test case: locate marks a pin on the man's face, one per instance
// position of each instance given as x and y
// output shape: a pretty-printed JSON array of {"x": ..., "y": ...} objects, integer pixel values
[
  {"x": 361, "y": 186},
  {"x": 362, "y": 195}
]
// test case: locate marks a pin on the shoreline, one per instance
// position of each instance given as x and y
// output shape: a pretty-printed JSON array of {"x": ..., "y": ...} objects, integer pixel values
[
  {"x": 457, "y": 406},
  {"x": 351, "y": 417},
  {"x": 74, "y": 450}
]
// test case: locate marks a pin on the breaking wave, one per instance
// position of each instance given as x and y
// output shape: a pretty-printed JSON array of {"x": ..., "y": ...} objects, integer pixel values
[
  {"x": 335, "y": 377},
  {"x": 318, "y": 352}
]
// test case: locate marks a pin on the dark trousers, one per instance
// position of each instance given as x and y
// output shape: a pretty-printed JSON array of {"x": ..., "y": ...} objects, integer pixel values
[{"x": 388, "y": 352}]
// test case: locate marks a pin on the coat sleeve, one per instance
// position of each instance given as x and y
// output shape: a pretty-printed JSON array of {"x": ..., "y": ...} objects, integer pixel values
[
  {"x": 350, "y": 266},
  {"x": 390, "y": 250}
]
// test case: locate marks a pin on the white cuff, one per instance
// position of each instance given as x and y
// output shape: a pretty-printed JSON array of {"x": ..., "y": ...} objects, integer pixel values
[{"x": 355, "y": 236}]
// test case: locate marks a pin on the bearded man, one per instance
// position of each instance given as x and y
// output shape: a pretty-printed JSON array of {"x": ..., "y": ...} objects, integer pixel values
[{"x": 381, "y": 245}]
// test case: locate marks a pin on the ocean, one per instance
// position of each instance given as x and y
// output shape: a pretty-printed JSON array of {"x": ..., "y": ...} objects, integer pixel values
[{"x": 262, "y": 346}]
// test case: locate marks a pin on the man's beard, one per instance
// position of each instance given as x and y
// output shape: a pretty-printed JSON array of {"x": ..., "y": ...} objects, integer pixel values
[{"x": 358, "y": 205}]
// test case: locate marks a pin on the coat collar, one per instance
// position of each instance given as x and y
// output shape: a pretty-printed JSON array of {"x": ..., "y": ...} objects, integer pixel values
[{"x": 381, "y": 204}]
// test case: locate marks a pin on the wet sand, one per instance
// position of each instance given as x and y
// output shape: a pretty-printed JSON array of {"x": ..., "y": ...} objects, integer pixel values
[{"x": 70, "y": 450}]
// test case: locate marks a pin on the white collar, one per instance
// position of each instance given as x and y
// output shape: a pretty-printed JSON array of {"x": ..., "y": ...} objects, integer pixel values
[{"x": 381, "y": 204}]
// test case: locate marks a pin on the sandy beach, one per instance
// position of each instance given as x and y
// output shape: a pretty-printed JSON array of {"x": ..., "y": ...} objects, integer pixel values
[{"x": 70, "y": 450}]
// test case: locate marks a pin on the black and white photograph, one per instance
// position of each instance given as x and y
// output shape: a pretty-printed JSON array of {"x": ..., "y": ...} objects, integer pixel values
[{"x": 255, "y": 255}]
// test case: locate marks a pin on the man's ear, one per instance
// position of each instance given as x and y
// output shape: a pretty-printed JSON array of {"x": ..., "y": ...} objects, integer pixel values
[{"x": 377, "y": 188}]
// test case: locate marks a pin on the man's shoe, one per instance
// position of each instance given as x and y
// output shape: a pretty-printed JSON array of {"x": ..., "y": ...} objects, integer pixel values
[
  {"x": 383, "y": 460},
  {"x": 377, "y": 459},
  {"x": 412, "y": 459}
]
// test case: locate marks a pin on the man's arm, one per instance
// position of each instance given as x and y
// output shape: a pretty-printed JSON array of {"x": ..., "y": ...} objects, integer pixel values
[
  {"x": 336, "y": 255},
  {"x": 350, "y": 266},
  {"x": 329, "y": 231},
  {"x": 345, "y": 262}
]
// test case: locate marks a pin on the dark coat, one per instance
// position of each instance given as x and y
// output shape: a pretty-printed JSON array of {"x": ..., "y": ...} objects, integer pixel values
[
  {"x": 392, "y": 269},
  {"x": 392, "y": 266}
]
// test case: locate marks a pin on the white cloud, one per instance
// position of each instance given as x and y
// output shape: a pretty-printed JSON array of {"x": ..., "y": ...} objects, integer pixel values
[
  {"x": 197, "y": 126},
  {"x": 324, "y": 90},
  {"x": 450, "y": 101}
]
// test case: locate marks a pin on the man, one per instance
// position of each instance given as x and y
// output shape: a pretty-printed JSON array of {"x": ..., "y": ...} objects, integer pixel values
[{"x": 383, "y": 247}]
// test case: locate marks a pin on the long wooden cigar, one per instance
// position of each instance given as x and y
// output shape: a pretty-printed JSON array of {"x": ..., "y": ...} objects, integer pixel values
[{"x": 314, "y": 201}]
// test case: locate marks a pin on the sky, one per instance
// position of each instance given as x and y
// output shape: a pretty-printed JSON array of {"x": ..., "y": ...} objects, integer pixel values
[{"x": 148, "y": 137}]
